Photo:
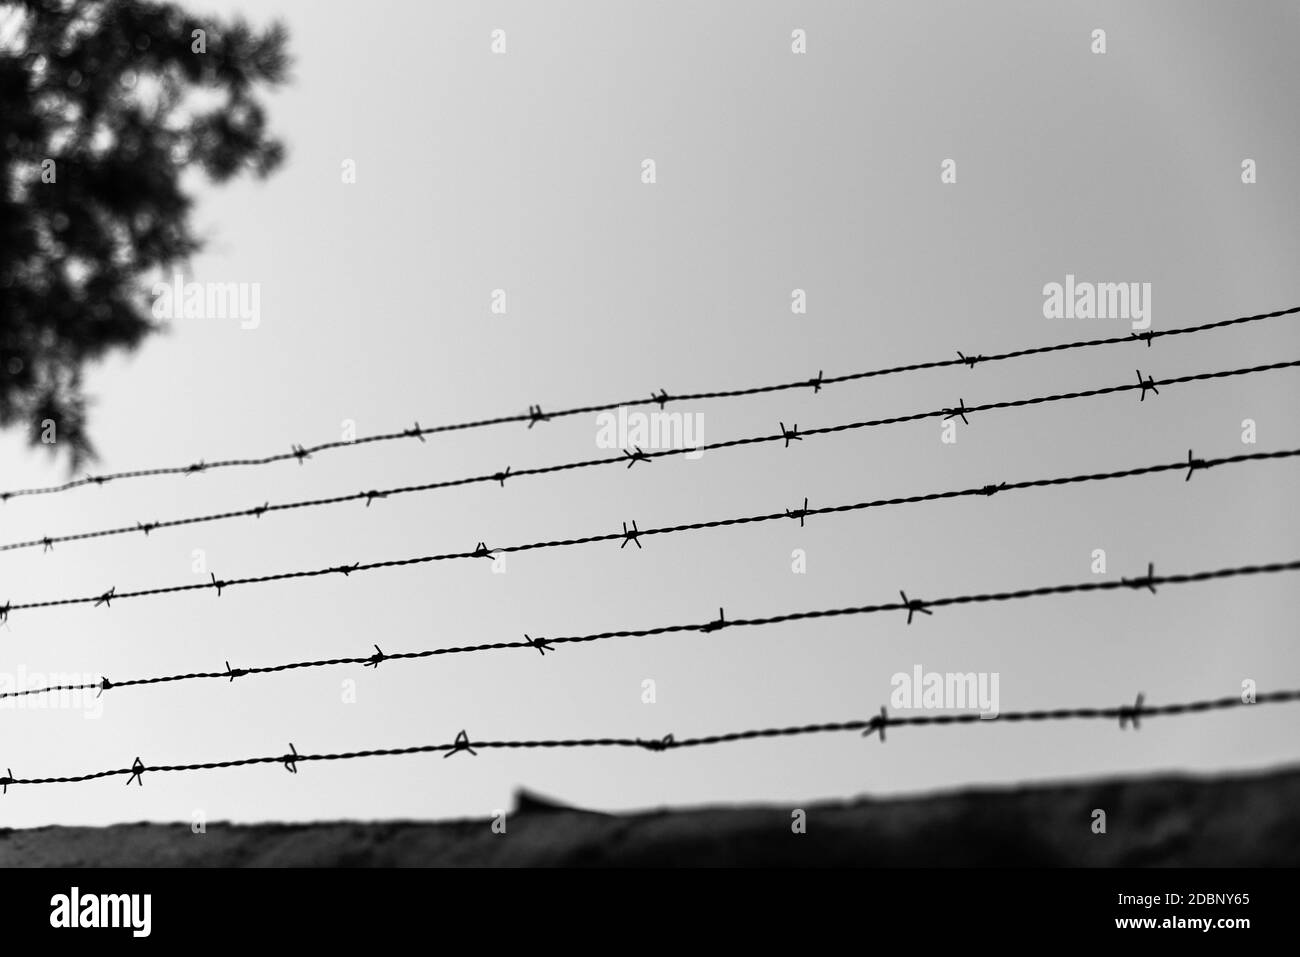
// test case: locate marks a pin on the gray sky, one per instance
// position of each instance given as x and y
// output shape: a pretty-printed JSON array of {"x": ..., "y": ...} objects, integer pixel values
[{"x": 775, "y": 172}]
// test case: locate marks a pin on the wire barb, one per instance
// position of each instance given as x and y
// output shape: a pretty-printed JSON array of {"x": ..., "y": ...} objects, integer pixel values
[
  {"x": 969, "y": 361},
  {"x": 1133, "y": 714},
  {"x": 1193, "y": 464},
  {"x": 638, "y": 456},
  {"x": 49, "y": 544},
  {"x": 291, "y": 759},
  {"x": 300, "y": 453},
  {"x": 661, "y": 398},
  {"x": 716, "y": 625},
  {"x": 502, "y": 476},
  {"x": 992, "y": 489},
  {"x": 481, "y": 551},
  {"x": 346, "y": 570},
  {"x": 234, "y": 673},
  {"x": 106, "y": 599},
  {"x": 914, "y": 605},
  {"x": 960, "y": 410},
  {"x": 817, "y": 382},
  {"x": 657, "y": 744},
  {"x": 194, "y": 469},
  {"x": 218, "y": 585},
  {"x": 541, "y": 644},
  {"x": 104, "y": 685},
  {"x": 414, "y": 432},
  {"x": 137, "y": 773},
  {"x": 1148, "y": 336},
  {"x": 375, "y": 660},
  {"x": 878, "y": 725},
  {"x": 536, "y": 415},
  {"x": 633, "y": 536},
  {"x": 7, "y": 780},
  {"x": 790, "y": 435},
  {"x": 1147, "y": 581},
  {"x": 799, "y": 513},
  {"x": 145, "y": 527},
  {"x": 1146, "y": 385},
  {"x": 461, "y": 744},
  {"x": 370, "y": 497}
]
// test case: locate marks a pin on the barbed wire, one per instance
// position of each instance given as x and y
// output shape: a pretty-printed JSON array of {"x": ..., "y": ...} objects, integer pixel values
[
  {"x": 876, "y": 725},
  {"x": 535, "y": 415},
  {"x": 912, "y": 606},
  {"x": 629, "y": 459},
  {"x": 635, "y": 534}
]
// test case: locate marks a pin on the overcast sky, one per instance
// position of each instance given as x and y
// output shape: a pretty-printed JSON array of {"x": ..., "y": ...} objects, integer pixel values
[{"x": 775, "y": 172}]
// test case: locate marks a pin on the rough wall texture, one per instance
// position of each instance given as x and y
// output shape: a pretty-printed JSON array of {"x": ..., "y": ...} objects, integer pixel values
[{"x": 1249, "y": 820}]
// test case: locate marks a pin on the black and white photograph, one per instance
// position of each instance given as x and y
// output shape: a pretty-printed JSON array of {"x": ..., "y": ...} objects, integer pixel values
[{"x": 443, "y": 437}]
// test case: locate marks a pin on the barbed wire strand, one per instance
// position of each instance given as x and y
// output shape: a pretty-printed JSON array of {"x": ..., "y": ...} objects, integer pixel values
[
  {"x": 543, "y": 645},
  {"x": 877, "y": 725},
  {"x": 535, "y": 415},
  {"x": 47, "y": 542},
  {"x": 634, "y": 535}
]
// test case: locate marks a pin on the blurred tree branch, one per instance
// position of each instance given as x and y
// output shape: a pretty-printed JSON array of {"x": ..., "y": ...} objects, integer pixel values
[{"x": 104, "y": 104}]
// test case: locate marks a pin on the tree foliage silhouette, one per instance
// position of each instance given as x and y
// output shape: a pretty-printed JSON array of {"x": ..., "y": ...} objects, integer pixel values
[{"x": 105, "y": 105}]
